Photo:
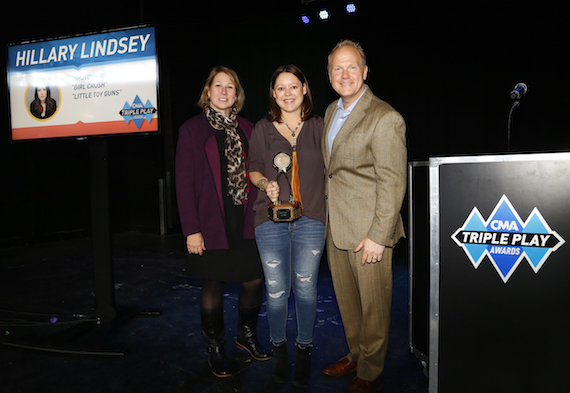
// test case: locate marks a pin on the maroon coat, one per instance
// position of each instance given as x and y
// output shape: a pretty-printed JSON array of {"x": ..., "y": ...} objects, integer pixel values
[{"x": 199, "y": 183}]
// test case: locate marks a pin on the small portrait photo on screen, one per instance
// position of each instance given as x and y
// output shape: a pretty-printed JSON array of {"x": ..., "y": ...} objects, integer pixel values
[{"x": 42, "y": 100}]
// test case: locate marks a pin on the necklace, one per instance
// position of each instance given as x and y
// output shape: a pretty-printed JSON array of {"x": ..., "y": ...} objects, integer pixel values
[{"x": 293, "y": 131}]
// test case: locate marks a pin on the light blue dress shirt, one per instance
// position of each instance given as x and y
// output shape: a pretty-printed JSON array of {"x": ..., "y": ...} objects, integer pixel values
[{"x": 339, "y": 118}]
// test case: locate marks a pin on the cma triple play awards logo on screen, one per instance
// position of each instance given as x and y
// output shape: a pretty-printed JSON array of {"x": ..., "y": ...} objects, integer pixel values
[
  {"x": 137, "y": 112},
  {"x": 506, "y": 239}
]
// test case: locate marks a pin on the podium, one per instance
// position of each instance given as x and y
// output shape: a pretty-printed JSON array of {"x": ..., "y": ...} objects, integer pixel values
[{"x": 489, "y": 272}]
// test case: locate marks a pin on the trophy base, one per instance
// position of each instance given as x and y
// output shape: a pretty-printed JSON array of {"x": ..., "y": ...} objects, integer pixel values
[{"x": 284, "y": 211}]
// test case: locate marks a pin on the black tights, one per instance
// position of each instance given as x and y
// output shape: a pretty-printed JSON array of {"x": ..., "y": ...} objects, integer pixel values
[{"x": 212, "y": 297}]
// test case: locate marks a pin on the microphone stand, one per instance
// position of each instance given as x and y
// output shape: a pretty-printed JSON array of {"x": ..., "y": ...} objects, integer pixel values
[
  {"x": 517, "y": 92},
  {"x": 516, "y": 103}
]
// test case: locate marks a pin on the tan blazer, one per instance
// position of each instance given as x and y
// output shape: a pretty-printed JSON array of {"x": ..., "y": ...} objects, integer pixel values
[{"x": 366, "y": 174}]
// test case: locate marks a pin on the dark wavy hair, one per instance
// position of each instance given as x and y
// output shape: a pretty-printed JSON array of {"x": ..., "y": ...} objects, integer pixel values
[
  {"x": 307, "y": 105},
  {"x": 36, "y": 105}
]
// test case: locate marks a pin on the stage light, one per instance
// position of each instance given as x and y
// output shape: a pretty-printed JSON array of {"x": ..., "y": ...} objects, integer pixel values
[
  {"x": 324, "y": 14},
  {"x": 350, "y": 8},
  {"x": 305, "y": 19}
]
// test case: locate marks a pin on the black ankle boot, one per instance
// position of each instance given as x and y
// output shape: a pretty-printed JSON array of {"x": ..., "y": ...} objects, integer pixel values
[
  {"x": 213, "y": 331},
  {"x": 302, "y": 367},
  {"x": 218, "y": 360},
  {"x": 247, "y": 334},
  {"x": 280, "y": 365}
]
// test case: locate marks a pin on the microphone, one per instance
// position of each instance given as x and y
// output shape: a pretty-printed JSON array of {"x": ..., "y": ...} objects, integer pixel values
[{"x": 518, "y": 91}]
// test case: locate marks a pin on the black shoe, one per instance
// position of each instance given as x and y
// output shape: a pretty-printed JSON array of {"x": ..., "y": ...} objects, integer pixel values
[
  {"x": 247, "y": 341},
  {"x": 247, "y": 334},
  {"x": 213, "y": 332},
  {"x": 280, "y": 365},
  {"x": 302, "y": 367},
  {"x": 218, "y": 361}
]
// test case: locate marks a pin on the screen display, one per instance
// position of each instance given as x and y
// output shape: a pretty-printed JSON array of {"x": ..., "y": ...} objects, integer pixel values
[{"x": 97, "y": 84}]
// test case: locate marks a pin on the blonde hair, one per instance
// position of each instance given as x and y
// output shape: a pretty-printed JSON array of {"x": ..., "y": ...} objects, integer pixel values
[
  {"x": 350, "y": 44},
  {"x": 240, "y": 100}
]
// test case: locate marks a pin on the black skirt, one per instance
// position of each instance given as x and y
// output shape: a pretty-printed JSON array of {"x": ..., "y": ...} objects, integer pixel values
[{"x": 241, "y": 262}]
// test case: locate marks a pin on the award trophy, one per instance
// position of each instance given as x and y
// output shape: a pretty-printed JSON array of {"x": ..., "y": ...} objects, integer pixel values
[{"x": 280, "y": 210}]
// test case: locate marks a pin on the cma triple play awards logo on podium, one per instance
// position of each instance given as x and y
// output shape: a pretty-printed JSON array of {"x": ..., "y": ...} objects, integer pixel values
[{"x": 506, "y": 239}]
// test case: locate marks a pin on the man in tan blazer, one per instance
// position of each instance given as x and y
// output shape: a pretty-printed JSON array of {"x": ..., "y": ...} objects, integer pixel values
[{"x": 364, "y": 149}]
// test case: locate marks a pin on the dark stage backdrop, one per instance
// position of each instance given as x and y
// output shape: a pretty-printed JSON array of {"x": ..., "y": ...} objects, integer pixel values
[{"x": 448, "y": 71}]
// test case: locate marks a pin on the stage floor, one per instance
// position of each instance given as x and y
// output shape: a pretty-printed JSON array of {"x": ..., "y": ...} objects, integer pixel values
[{"x": 162, "y": 353}]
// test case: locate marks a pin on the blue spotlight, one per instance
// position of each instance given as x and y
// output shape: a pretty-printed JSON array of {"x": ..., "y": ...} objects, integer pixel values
[
  {"x": 350, "y": 8},
  {"x": 305, "y": 19}
]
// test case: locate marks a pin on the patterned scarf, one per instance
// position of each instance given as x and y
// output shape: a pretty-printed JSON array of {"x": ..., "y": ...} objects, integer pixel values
[{"x": 237, "y": 171}]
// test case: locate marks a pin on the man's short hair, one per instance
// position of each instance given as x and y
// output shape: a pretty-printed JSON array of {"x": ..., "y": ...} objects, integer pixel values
[{"x": 351, "y": 44}]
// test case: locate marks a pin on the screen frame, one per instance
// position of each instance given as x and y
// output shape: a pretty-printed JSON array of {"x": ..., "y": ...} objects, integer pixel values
[{"x": 93, "y": 130}]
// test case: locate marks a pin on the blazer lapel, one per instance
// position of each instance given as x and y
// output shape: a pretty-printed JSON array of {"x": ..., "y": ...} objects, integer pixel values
[
  {"x": 354, "y": 118},
  {"x": 329, "y": 116}
]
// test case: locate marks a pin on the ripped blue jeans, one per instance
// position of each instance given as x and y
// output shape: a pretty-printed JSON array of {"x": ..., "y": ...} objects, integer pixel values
[{"x": 290, "y": 254}]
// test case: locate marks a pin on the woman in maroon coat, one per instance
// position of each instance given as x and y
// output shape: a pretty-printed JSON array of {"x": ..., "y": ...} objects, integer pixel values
[{"x": 215, "y": 207}]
